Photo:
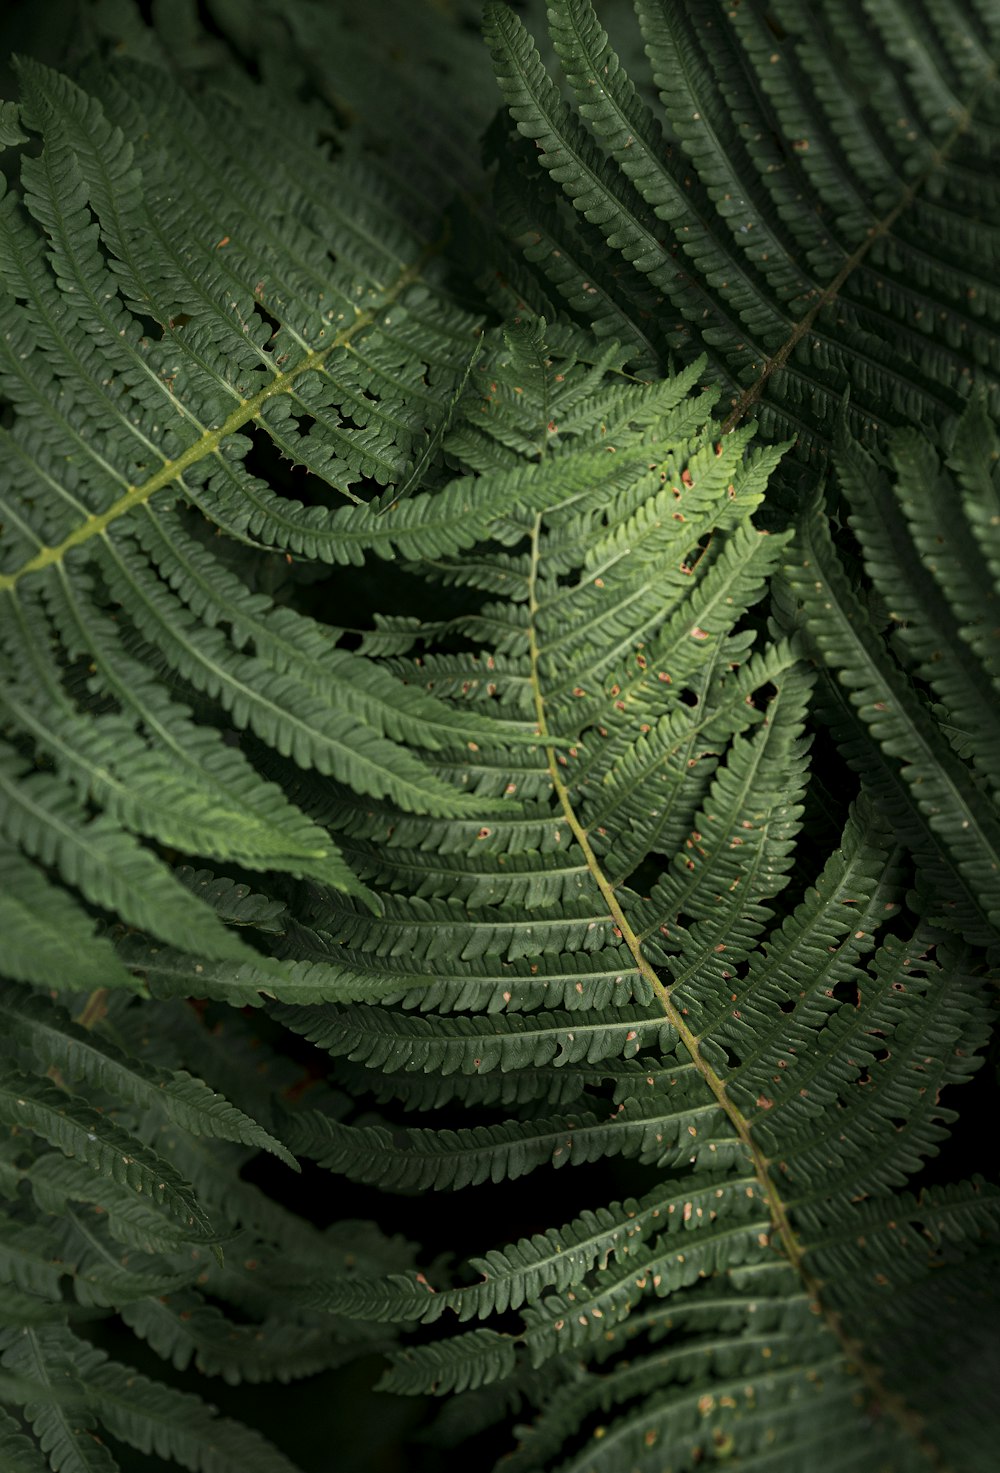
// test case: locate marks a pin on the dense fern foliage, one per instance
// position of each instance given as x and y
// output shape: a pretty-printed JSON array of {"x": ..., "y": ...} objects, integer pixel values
[
  {"x": 810, "y": 200},
  {"x": 500, "y": 675}
]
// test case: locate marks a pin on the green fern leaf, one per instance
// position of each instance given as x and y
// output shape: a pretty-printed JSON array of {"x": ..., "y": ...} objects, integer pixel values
[
  {"x": 39, "y": 812},
  {"x": 22, "y": 1265},
  {"x": 59, "y": 1416},
  {"x": 783, "y": 1096},
  {"x": 183, "y": 1329},
  {"x": 109, "y": 1151},
  {"x": 81, "y": 1056},
  {"x": 74, "y": 1383},
  {"x": 781, "y": 205},
  {"x": 47, "y": 933},
  {"x": 159, "y": 424},
  {"x": 942, "y": 787},
  {"x": 554, "y": 864},
  {"x": 19, "y": 1454}
]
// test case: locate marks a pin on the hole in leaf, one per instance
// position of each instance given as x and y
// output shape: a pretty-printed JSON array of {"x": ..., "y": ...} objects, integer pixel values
[
  {"x": 266, "y": 461},
  {"x": 847, "y": 991},
  {"x": 271, "y": 320}
]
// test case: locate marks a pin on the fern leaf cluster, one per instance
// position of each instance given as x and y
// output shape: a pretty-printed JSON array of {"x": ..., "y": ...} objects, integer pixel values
[
  {"x": 499, "y": 674},
  {"x": 795, "y": 202},
  {"x": 928, "y": 699},
  {"x": 787, "y": 1082}
]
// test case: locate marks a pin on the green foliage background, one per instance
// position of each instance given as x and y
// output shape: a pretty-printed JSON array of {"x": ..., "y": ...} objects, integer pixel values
[{"x": 576, "y": 268}]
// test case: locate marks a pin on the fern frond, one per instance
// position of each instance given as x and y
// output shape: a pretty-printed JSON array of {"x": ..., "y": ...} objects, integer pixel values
[
  {"x": 23, "y": 1265},
  {"x": 80, "y": 1056},
  {"x": 809, "y": 1040},
  {"x": 19, "y": 1453},
  {"x": 47, "y": 933},
  {"x": 93, "y": 508},
  {"x": 183, "y": 1329},
  {"x": 58, "y": 1413},
  {"x": 533, "y": 872},
  {"x": 132, "y": 1220},
  {"x": 795, "y": 202},
  {"x": 75, "y": 1383},
  {"x": 555, "y": 1260},
  {"x": 390, "y": 1041},
  {"x": 84, "y": 1134},
  {"x": 39, "y": 812},
  {"x": 956, "y": 833}
]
